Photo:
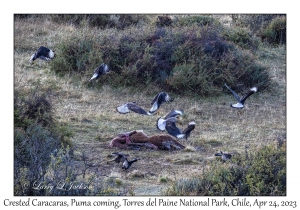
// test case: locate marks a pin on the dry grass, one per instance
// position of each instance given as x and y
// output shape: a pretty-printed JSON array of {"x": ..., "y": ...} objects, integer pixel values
[{"x": 91, "y": 114}]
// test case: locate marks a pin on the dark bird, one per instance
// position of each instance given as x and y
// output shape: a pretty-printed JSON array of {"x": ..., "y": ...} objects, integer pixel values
[
  {"x": 225, "y": 156},
  {"x": 187, "y": 131},
  {"x": 119, "y": 157},
  {"x": 43, "y": 53},
  {"x": 161, "y": 122},
  {"x": 172, "y": 129},
  {"x": 126, "y": 164},
  {"x": 158, "y": 100},
  {"x": 242, "y": 100},
  {"x": 132, "y": 106},
  {"x": 100, "y": 70}
]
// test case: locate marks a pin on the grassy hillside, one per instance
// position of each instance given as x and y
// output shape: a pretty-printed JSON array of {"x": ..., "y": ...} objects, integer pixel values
[{"x": 188, "y": 57}]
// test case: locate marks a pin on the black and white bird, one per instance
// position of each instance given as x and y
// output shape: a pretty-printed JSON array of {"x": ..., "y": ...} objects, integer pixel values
[
  {"x": 132, "y": 106},
  {"x": 225, "y": 156},
  {"x": 119, "y": 157},
  {"x": 187, "y": 131},
  {"x": 161, "y": 122},
  {"x": 100, "y": 70},
  {"x": 126, "y": 164},
  {"x": 158, "y": 100},
  {"x": 42, "y": 53},
  {"x": 172, "y": 129},
  {"x": 242, "y": 100}
]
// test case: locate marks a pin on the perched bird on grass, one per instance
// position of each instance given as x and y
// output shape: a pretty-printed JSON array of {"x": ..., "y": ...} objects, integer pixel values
[
  {"x": 127, "y": 164},
  {"x": 42, "y": 53},
  {"x": 225, "y": 156},
  {"x": 132, "y": 106},
  {"x": 158, "y": 100},
  {"x": 100, "y": 70},
  {"x": 242, "y": 100}
]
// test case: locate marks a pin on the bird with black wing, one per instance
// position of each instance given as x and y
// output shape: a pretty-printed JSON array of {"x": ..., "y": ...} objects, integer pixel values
[
  {"x": 158, "y": 100},
  {"x": 100, "y": 70},
  {"x": 43, "y": 53},
  {"x": 242, "y": 100},
  {"x": 132, "y": 106}
]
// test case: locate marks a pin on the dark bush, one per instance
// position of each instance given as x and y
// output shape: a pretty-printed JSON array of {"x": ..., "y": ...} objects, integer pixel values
[
  {"x": 32, "y": 149},
  {"x": 139, "y": 57},
  {"x": 207, "y": 61},
  {"x": 164, "y": 20},
  {"x": 260, "y": 173},
  {"x": 35, "y": 108},
  {"x": 36, "y": 135}
]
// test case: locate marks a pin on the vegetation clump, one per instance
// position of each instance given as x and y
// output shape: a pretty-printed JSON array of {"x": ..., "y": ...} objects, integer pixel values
[
  {"x": 260, "y": 173},
  {"x": 196, "y": 20},
  {"x": 186, "y": 59},
  {"x": 270, "y": 28},
  {"x": 275, "y": 32},
  {"x": 77, "y": 54}
]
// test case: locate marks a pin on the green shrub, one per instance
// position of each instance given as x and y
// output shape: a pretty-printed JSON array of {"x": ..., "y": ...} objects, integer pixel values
[
  {"x": 267, "y": 173},
  {"x": 269, "y": 27},
  {"x": 275, "y": 32},
  {"x": 192, "y": 79},
  {"x": 242, "y": 37},
  {"x": 77, "y": 55},
  {"x": 198, "y": 20},
  {"x": 261, "y": 173},
  {"x": 186, "y": 59}
]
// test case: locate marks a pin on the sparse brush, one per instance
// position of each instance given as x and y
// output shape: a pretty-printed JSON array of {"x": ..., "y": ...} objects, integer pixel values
[
  {"x": 194, "y": 20},
  {"x": 264, "y": 174}
]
